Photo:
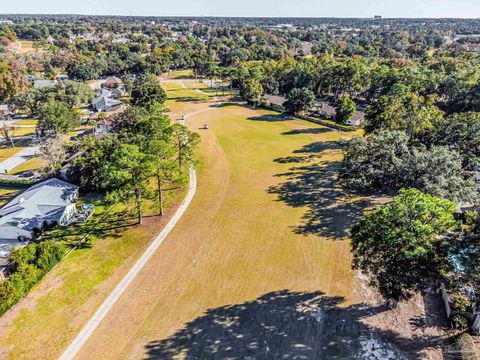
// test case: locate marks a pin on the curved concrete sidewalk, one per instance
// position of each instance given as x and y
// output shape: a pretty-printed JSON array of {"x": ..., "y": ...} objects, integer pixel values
[
  {"x": 75, "y": 346},
  {"x": 103, "y": 310}
]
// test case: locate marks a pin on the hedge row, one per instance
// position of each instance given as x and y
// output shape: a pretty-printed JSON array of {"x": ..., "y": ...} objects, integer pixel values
[
  {"x": 18, "y": 182},
  {"x": 29, "y": 265}
]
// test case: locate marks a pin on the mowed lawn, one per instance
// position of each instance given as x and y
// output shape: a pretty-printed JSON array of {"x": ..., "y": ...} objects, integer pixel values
[
  {"x": 32, "y": 164},
  {"x": 7, "y": 151},
  {"x": 26, "y": 122},
  {"x": 25, "y": 47},
  {"x": 182, "y": 100},
  {"x": 65, "y": 299},
  {"x": 266, "y": 232},
  {"x": 263, "y": 237}
]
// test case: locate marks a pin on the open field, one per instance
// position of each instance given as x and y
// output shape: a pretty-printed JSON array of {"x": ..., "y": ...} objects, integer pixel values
[
  {"x": 259, "y": 266},
  {"x": 181, "y": 74},
  {"x": 186, "y": 95},
  {"x": 195, "y": 85},
  {"x": 24, "y": 47},
  {"x": 262, "y": 246}
]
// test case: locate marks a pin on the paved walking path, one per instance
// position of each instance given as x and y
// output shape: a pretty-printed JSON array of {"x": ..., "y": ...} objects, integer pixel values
[
  {"x": 17, "y": 159},
  {"x": 103, "y": 310}
]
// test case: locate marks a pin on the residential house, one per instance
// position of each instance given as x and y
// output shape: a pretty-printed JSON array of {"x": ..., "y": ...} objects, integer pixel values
[
  {"x": 275, "y": 101},
  {"x": 113, "y": 93},
  {"x": 61, "y": 77},
  {"x": 113, "y": 82},
  {"x": 41, "y": 84},
  {"x": 47, "y": 203},
  {"x": 121, "y": 40},
  {"x": 104, "y": 104},
  {"x": 51, "y": 202},
  {"x": 324, "y": 109},
  {"x": 357, "y": 119},
  {"x": 321, "y": 109},
  {"x": 103, "y": 126}
]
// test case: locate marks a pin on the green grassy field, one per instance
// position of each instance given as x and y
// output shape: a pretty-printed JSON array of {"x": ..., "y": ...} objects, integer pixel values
[
  {"x": 267, "y": 218},
  {"x": 25, "y": 47},
  {"x": 185, "y": 95},
  {"x": 181, "y": 74},
  {"x": 195, "y": 85}
]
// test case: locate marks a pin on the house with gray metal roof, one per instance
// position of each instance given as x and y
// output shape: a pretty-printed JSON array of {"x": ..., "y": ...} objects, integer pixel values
[
  {"x": 51, "y": 202},
  {"x": 103, "y": 103}
]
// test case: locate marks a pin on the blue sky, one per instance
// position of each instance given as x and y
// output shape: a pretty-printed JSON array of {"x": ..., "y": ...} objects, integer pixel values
[{"x": 308, "y": 8}]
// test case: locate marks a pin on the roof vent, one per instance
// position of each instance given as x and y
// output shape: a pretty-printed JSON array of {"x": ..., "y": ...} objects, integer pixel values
[{"x": 21, "y": 200}]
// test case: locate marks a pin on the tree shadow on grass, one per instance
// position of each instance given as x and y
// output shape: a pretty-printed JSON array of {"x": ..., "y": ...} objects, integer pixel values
[
  {"x": 331, "y": 211},
  {"x": 271, "y": 117},
  {"x": 320, "y": 130},
  {"x": 188, "y": 99},
  {"x": 319, "y": 146},
  {"x": 287, "y": 325},
  {"x": 110, "y": 227}
]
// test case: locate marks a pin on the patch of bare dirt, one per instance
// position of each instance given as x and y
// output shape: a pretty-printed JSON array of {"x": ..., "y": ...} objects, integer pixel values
[{"x": 417, "y": 327}]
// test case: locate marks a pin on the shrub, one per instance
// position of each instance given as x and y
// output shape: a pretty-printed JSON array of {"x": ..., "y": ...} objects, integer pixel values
[
  {"x": 49, "y": 254},
  {"x": 459, "y": 322},
  {"x": 30, "y": 264},
  {"x": 459, "y": 301},
  {"x": 23, "y": 256}
]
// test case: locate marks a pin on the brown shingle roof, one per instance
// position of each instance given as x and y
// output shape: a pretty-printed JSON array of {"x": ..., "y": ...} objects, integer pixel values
[{"x": 113, "y": 80}]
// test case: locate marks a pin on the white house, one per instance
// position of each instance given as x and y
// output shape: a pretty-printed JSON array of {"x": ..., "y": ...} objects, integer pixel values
[
  {"x": 357, "y": 119},
  {"x": 47, "y": 203}
]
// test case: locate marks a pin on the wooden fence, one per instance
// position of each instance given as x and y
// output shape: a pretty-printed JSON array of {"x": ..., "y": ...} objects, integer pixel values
[{"x": 473, "y": 317}]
